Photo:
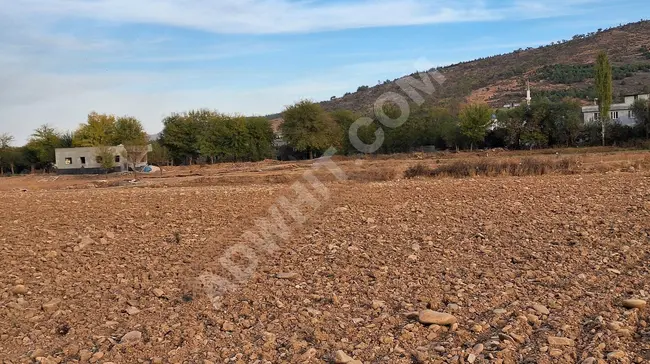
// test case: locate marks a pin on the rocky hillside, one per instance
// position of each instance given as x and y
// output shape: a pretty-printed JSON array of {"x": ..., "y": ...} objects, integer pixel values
[{"x": 561, "y": 69}]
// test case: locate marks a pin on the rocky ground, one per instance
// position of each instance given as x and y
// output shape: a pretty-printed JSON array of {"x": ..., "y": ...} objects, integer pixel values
[{"x": 552, "y": 269}]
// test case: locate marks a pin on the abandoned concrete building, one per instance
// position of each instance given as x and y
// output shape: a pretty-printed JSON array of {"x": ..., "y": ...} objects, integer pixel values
[{"x": 88, "y": 160}]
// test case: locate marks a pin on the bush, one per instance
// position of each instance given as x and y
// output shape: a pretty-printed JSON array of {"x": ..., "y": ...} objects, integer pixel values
[{"x": 419, "y": 169}]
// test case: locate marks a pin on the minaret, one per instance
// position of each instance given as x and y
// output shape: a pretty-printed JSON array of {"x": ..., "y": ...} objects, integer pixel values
[{"x": 528, "y": 98}]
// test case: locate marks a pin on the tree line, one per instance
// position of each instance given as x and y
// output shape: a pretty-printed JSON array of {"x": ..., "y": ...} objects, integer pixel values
[{"x": 206, "y": 136}]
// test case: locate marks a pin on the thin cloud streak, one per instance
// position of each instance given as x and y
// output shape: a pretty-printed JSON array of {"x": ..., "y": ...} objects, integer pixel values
[{"x": 284, "y": 16}]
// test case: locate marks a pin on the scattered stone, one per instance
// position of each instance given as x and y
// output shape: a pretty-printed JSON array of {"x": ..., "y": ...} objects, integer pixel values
[
  {"x": 308, "y": 355},
  {"x": 560, "y": 341},
  {"x": 19, "y": 289},
  {"x": 85, "y": 242},
  {"x": 341, "y": 357},
  {"x": 429, "y": 317},
  {"x": 420, "y": 356},
  {"x": 590, "y": 360},
  {"x": 471, "y": 358},
  {"x": 38, "y": 353},
  {"x": 634, "y": 303},
  {"x": 131, "y": 310},
  {"x": 378, "y": 304},
  {"x": 158, "y": 292},
  {"x": 541, "y": 309},
  {"x": 616, "y": 355},
  {"x": 477, "y": 349},
  {"x": 98, "y": 355},
  {"x": 554, "y": 353},
  {"x": 291, "y": 275},
  {"x": 131, "y": 337},
  {"x": 51, "y": 306},
  {"x": 228, "y": 326},
  {"x": 84, "y": 355},
  {"x": 500, "y": 311},
  {"x": 110, "y": 235}
]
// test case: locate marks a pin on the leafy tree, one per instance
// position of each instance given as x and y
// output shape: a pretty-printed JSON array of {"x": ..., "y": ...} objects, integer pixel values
[
  {"x": 181, "y": 136},
  {"x": 307, "y": 127},
  {"x": 129, "y": 131},
  {"x": 42, "y": 144},
  {"x": 67, "y": 140},
  {"x": 5, "y": 151},
  {"x": 603, "y": 80},
  {"x": 641, "y": 112},
  {"x": 98, "y": 130},
  {"x": 159, "y": 154},
  {"x": 474, "y": 122},
  {"x": 106, "y": 157},
  {"x": 261, "y": 137}
]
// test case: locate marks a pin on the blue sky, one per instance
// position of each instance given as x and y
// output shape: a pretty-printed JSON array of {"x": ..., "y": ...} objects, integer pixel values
[{"x": 61, "y": 59}]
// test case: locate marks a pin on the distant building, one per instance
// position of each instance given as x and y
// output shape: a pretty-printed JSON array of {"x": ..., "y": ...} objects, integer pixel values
[
  {"x": 618, "y": 112},
  {"x": 87, "y": 160}
]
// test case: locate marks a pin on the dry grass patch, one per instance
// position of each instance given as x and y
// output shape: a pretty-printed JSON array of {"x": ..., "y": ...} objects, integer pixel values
[{"x": 493, "y": 168}]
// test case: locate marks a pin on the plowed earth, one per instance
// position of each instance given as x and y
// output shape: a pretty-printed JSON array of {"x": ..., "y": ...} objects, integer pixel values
[{"x": 515, "y": 260}]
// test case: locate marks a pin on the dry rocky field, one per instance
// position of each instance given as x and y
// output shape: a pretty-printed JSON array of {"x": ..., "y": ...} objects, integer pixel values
[{"x": 545, "y": 269}]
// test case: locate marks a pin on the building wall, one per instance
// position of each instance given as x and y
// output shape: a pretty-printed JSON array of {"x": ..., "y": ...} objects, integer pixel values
[
  {"x": 71, "y": 159},
  {"x": 624, "y": 116},
  {"x": 629, "y": 100}
]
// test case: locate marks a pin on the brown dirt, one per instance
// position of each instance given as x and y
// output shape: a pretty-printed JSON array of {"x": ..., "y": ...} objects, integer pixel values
[{"x": 373, "y": 252}]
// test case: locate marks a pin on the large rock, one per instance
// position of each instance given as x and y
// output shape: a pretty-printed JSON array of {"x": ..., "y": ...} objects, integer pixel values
[
  {"x": 19, "y": 289},
  {"x": 634, "y": 303},
  {"x": 429, "y": 317}
]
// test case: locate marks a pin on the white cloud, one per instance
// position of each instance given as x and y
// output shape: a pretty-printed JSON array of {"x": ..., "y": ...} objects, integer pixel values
[
  {"x": 53, "y": 73},
  {"x": 286, "y": 16}
]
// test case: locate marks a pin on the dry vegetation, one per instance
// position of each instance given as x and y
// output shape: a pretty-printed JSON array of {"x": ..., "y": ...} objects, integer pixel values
[{"x": 527, "y": 269}]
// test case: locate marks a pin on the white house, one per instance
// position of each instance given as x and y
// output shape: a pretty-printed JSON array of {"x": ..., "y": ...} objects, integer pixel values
[{"x": 618, "y": 112}]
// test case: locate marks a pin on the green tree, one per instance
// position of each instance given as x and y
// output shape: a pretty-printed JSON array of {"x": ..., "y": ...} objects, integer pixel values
[
  {"x": 106, "y": 157},
  {"x": 344, "y": 119},
  {"x": 181, "y": 136},
  {"x": 603, "y": 80},
  {"x": 67, "y": 140},
  {"x": 308, "y": 128},
  {"x": 128, "y": 131},
  {"x": 261, "y": 136},
  {"x": 5, "y": 151},
  {"x": 98, "y": 130},
  {"x": 42, "y": 144},
  {"x": 159, "y": 154},
  {"x": 641, "y": 112},
  {"x": 474, "y": 122}
]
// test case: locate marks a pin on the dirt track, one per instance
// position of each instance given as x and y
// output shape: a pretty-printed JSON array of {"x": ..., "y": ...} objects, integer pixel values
[{"x": 97, "y": 264}]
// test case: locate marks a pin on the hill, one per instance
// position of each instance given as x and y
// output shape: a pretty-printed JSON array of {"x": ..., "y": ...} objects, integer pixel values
[{"x": 558, "y": 70}]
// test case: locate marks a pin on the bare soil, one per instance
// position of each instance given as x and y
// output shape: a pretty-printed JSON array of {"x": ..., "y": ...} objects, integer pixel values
[{"x": 533, "y": 269}]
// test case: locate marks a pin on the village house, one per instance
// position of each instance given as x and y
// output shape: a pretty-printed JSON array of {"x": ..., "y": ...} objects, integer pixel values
[{"x": 618, "y": 112}]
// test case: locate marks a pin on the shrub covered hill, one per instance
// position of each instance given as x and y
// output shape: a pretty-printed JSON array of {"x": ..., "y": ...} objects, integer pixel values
[{"x": 558, "y": 70}]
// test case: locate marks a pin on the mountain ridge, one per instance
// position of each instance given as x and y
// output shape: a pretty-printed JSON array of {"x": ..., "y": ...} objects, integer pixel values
[{"x": 558, "y": 70}]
